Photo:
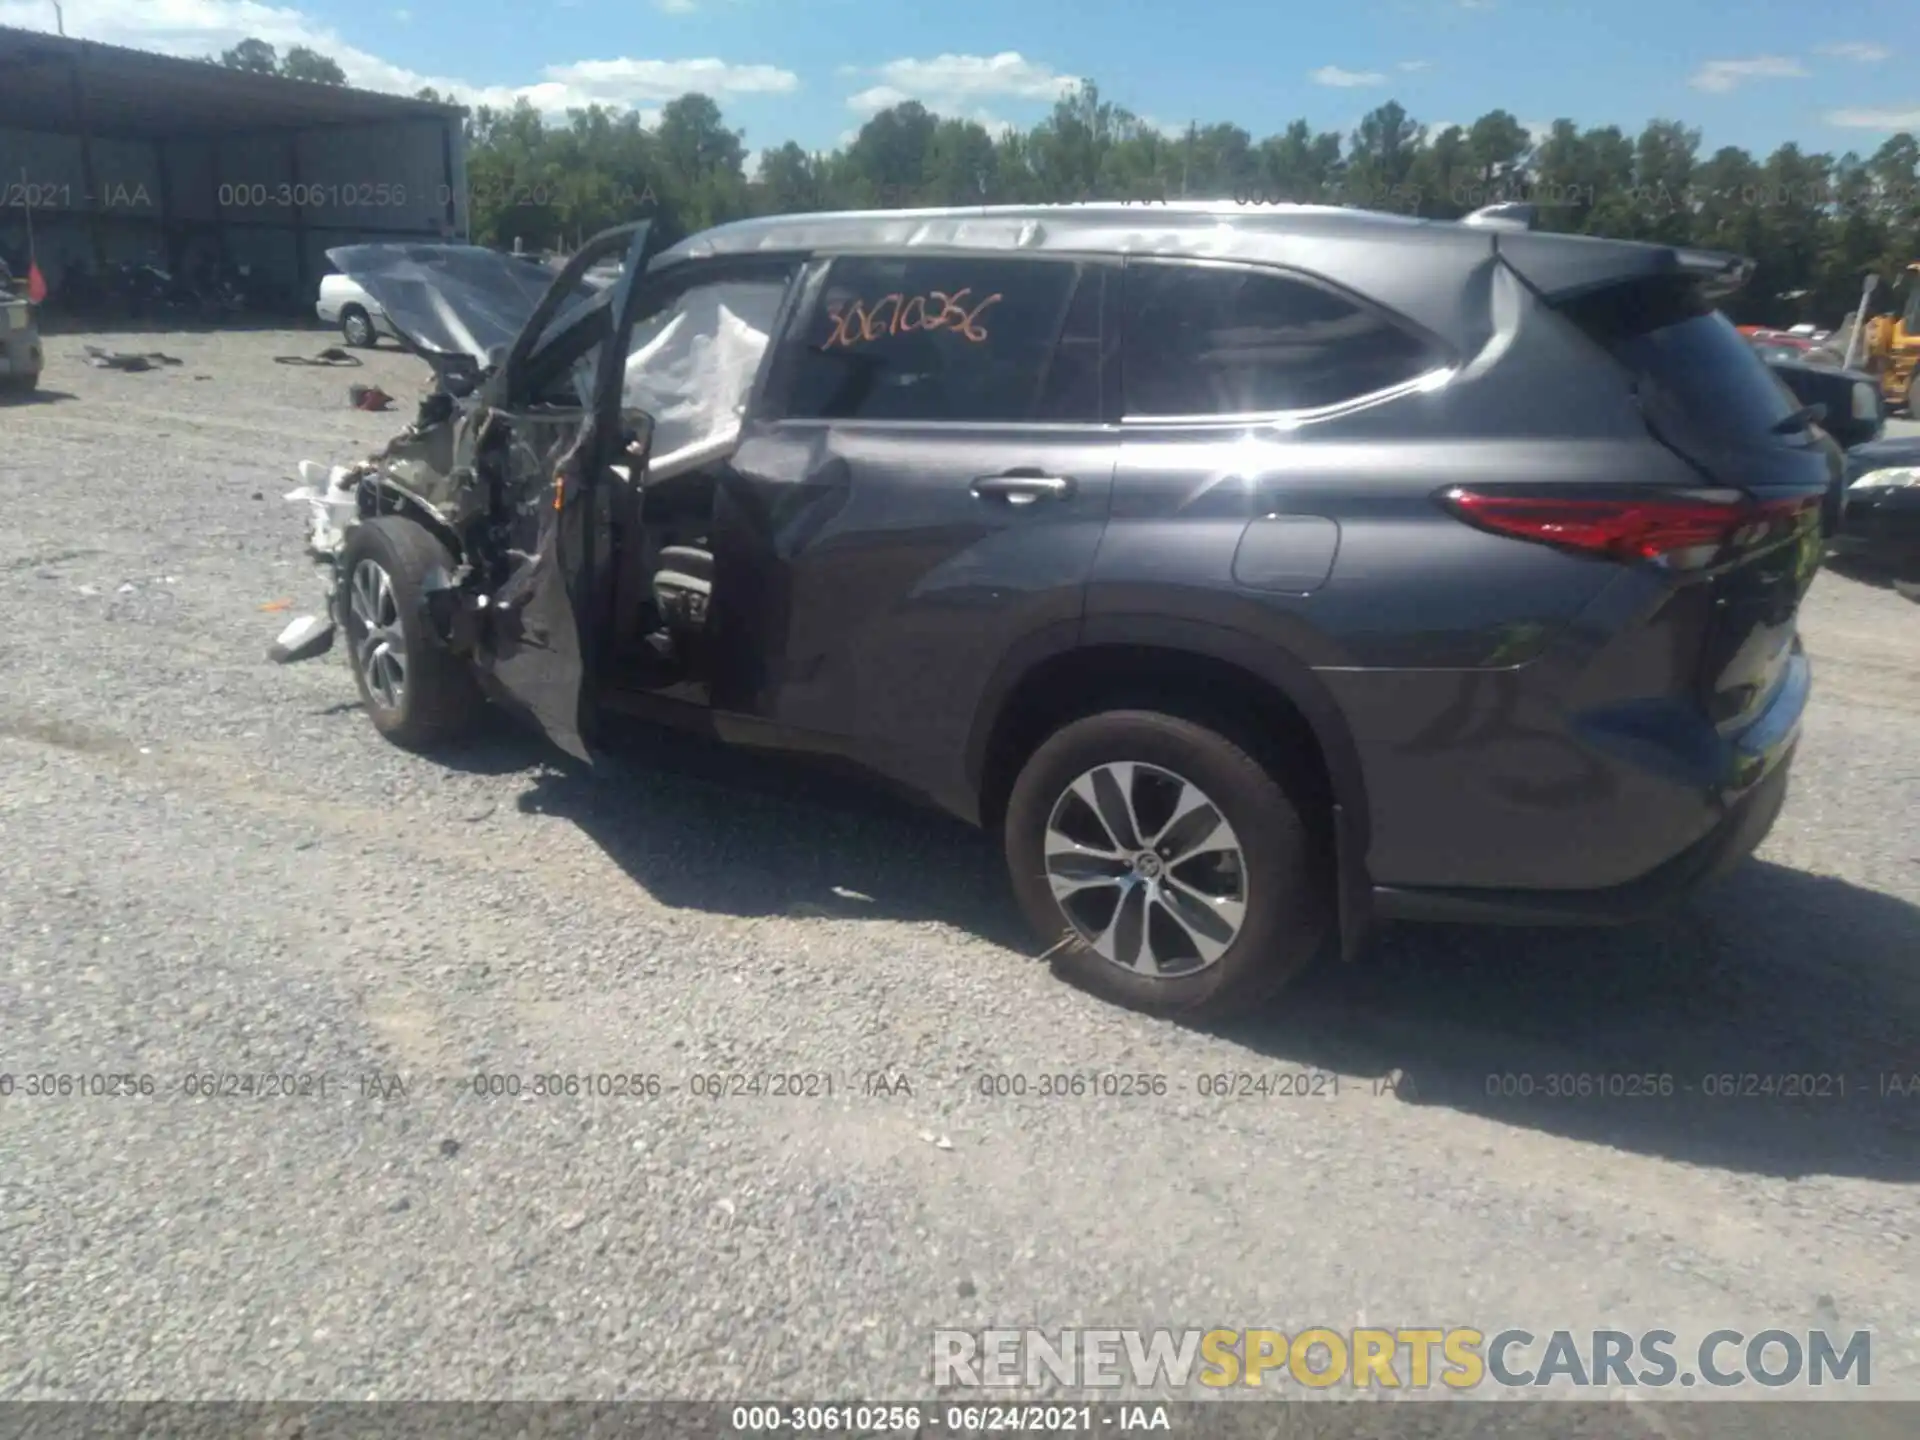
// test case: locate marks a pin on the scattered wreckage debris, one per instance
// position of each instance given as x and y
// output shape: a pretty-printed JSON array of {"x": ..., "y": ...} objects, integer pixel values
[
  {"x": 459, "y": 536},
  {"x": 331, "y": 358},
  {"x": 128, "y": 360}
]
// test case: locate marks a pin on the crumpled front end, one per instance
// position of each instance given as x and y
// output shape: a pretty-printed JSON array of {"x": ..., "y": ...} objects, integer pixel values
[{"x": 332, "y": 498}]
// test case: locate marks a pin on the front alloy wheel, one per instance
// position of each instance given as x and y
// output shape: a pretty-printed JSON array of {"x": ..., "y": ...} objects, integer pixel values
[
  {"x": 380, "y": 647},
  {"x": 417, "y": 693}
]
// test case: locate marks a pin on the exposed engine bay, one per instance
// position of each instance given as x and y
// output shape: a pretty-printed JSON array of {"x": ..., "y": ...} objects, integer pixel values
[{"x": 522, "y": 399}]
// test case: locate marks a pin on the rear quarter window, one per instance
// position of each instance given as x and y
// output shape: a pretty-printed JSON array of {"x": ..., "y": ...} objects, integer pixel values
[{"x": 1203, "y": 340}]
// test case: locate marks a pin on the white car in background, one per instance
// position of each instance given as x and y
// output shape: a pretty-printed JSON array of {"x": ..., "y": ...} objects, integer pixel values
[
  {"x": 20, "y": 355},
  {"x": 361, "y": 320}
]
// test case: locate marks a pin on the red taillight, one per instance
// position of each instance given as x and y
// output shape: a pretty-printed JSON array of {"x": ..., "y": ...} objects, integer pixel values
[{"x": 1682, "y": 530}]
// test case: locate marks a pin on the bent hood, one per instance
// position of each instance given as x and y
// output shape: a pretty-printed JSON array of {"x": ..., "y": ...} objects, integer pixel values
[{"x": 451, "y": 299}]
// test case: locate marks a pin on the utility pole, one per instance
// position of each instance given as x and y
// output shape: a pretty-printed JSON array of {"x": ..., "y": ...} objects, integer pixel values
[
  {"x": 59, "y": 18},
  {"x": 1186, "y": 164}
]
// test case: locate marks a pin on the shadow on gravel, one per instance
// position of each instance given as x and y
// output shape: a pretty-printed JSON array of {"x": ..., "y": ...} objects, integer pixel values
[
  {"x": 1664, "y": 1039},
  {"x": 1770, "y": 1027},
  {"x": 41, "y": 396},
  {"x": 708, "y": 827}
]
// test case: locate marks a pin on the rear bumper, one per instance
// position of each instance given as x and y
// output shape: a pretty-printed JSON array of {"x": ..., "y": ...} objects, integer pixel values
[
  {"x": 1756, "y": 788},
  {"x": 1653, "y": 894}
]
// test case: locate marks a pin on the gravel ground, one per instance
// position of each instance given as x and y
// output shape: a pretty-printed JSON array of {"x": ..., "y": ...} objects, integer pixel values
[{"x": 210, "y": 864}]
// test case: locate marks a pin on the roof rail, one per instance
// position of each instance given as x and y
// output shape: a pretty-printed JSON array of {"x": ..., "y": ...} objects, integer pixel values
[{"x": 1508, "y": 215}]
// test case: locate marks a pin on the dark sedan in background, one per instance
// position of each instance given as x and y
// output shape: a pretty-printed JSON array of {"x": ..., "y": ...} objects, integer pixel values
[
  {"x": 1854, "y": 413},
  {"x": 1875, "y": 515},
  {"x": 1848, "y": 406},
  {"x": 1882, "y": 517}
]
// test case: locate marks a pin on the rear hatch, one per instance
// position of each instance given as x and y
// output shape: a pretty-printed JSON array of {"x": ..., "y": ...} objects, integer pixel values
[
  {"x": 1705, "y": 395},
  {"x": 1735, "y": 521}
]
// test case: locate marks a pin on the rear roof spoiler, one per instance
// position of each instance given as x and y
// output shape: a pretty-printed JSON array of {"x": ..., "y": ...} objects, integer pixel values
[
  {"x": 1719, "y": 273},
  {"x": 1561, "y": 267},
  {"x": 1508, "y": 215}
]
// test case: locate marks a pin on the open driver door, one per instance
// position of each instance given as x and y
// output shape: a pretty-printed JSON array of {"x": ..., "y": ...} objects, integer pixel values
[{"x": 547, "y": 624}]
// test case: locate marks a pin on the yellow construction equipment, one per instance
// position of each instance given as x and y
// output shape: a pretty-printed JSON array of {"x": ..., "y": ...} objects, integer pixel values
[{"x": 1889, "y": 346}]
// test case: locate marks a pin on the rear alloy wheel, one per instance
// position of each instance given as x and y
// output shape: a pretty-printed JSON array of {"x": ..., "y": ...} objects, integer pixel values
[
  {"x": 417, "y": 693},
  {"x": 1178, "y": 870},
  {"x": 356, "y": 328}
]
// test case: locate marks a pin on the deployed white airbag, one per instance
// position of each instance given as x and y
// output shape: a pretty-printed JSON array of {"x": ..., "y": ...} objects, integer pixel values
[{"x": 691, "y": 364}]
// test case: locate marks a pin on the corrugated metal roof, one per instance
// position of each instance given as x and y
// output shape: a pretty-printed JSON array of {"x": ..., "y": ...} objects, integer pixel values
[{"x": 140, "y": 95}]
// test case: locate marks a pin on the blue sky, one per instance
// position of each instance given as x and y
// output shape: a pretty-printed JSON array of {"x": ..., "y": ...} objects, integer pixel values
[{"x": 810, "y": 70}]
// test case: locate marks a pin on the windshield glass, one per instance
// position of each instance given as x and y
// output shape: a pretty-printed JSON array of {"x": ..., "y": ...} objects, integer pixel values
[{"x": 453, "y": 299}]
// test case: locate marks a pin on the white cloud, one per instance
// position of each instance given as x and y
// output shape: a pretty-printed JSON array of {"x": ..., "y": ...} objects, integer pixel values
[
  {"x": 1720, "y": 76},
  {"x": 953, "y": 84},
  {"x": 1340, "y": 79},
  {"x": 1888, "y": 120},
  {"x": 1436, "y": 127},
  {"x": 403, "y": 16},
  {"x": 1414, "y": 66},
  {"x": 1862, "y": 50},
  {"x": 676, "y": 7},
  {"x": 1538, "y": 131},
  {"x": 880, "y": 97},
  {"x": 205, "y": 27}
]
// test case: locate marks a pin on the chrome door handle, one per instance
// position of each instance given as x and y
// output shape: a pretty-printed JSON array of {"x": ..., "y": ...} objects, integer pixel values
[{"x": 1022, "y": 489}]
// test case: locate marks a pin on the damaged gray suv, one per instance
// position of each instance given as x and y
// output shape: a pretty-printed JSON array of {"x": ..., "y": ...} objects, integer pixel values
[{"x": 1256, "y": 574}]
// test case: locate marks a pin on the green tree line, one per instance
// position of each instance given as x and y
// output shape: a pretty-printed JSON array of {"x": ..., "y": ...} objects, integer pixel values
[{"x": 1815, "y": 223}]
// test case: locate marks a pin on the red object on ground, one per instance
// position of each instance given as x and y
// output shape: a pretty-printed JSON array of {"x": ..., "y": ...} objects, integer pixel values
[{"x": 36, "y": 283}]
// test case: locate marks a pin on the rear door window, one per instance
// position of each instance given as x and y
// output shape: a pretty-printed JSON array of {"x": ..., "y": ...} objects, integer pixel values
[
  {"x": 950, "y": 338},
  {"x": 1204, "y": 340}
]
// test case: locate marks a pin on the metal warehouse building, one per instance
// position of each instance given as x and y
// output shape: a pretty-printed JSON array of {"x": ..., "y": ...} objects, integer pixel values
[{"x": 128, "y": 156}]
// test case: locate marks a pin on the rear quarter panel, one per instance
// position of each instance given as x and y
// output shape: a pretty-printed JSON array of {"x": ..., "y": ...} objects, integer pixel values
[{"x": 1448, "y": 651}]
